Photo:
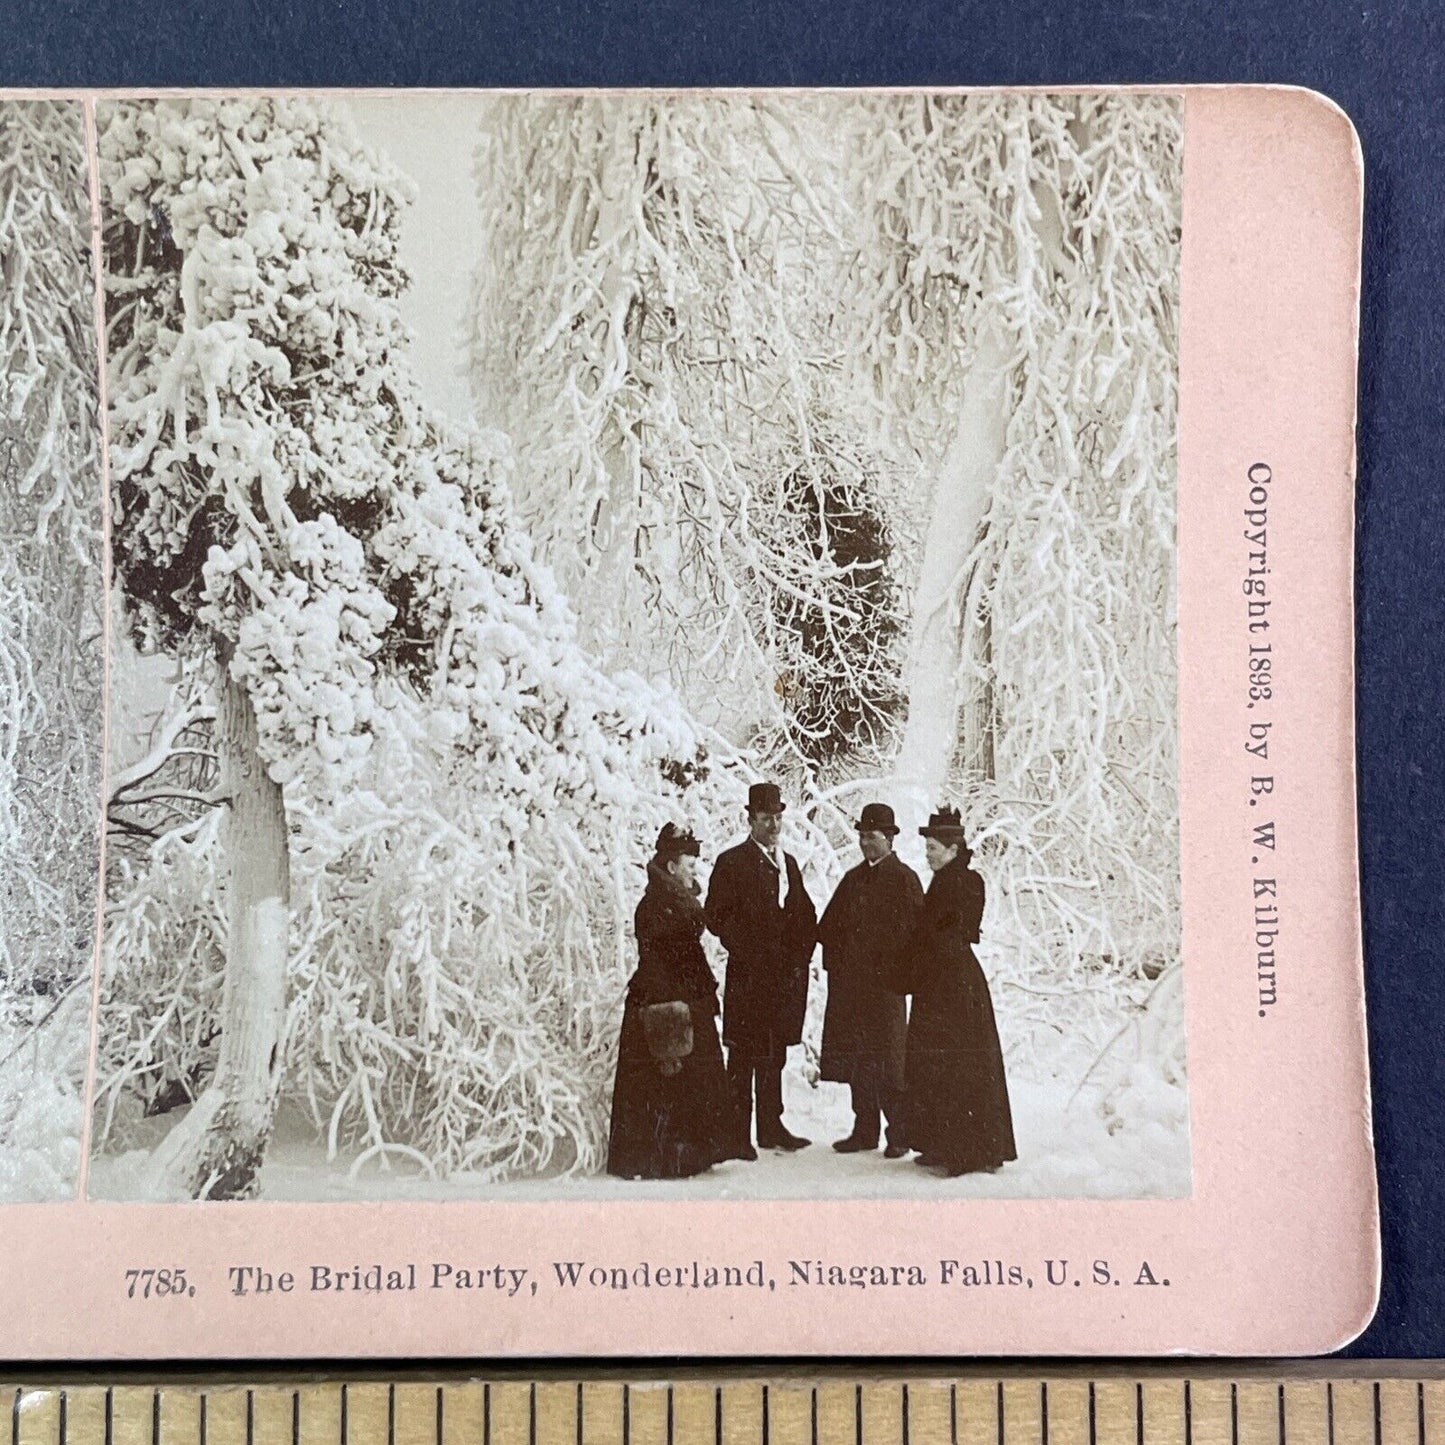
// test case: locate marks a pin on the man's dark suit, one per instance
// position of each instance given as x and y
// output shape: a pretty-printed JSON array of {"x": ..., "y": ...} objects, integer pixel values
[
  {"x": 765, "y": 993},
  {"x": 862, "y": 929}
]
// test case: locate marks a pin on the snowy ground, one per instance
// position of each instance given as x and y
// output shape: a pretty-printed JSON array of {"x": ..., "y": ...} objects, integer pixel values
[{"x": 1063, "y": 1153}]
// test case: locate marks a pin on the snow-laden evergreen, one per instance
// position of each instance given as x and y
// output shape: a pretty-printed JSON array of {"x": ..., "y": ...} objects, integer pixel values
[
  {"x": 462, "y": 793},
  {"x": 51, "y": 645}
]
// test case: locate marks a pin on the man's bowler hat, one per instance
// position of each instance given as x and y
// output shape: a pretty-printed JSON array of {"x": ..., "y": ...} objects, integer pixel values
[
  {"x": 878, "y": 818},
  {"x": 765, "y": 798}
]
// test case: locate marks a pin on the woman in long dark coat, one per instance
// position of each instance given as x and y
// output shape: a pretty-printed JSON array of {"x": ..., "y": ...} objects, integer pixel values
[
  {"x": 956, "y": 1095},
  {"x": 671, "y": 1111}
]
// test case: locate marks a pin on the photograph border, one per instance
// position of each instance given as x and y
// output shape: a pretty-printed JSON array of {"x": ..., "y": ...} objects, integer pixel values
[{"x": 1262, "y": 1259}]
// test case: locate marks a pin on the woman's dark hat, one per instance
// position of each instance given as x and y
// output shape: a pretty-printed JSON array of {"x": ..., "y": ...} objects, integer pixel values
[
  {"x": 765, "y": 798},
  {"x": 945, "y": 825},
  {"x": 877, "y": 818},
  {"x": 673, "y": 842}
]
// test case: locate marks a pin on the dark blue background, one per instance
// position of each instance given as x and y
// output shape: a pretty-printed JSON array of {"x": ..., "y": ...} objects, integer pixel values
[{"x": 1384, "y": 63}]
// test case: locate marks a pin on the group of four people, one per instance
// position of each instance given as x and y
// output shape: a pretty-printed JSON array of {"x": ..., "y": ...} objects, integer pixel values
[{"x": 935, "y": 1072}]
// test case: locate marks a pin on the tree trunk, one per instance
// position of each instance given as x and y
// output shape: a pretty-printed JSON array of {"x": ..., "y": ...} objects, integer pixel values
[
  {"x": 613, "y": 535},
  {"x": 940, "y": 627},
  {"x": 216, "y": 1151},
  {"x": 979, "y": 720}
]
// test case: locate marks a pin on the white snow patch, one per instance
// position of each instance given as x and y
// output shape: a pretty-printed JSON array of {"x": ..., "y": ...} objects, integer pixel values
[
  {"x": 41, "y": 1064},
  {"x": 1064, "y": 1152}
]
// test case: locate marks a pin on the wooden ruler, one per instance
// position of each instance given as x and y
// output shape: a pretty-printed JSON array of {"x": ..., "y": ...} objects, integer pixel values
[{"x": 1405, "y": 1406}]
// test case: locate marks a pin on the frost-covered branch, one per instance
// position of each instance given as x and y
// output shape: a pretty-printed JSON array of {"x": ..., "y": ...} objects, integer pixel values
[
  {"x": 50, "y": 655},
  {"x": 50, "y": 663},
  {"x": 650, "y": 324}
]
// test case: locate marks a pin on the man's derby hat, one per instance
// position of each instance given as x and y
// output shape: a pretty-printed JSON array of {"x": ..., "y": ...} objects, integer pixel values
[
  {"x": 877, "y": 818},
  {"x": 765, "y": 798}
]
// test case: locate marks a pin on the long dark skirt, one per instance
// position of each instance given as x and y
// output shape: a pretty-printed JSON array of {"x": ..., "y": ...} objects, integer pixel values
[
  {"x": 956, "y": 1101},
  {"x": 669, "y": 1126}
]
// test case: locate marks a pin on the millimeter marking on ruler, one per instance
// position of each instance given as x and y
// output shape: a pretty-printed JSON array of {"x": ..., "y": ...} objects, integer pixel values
[{"x": 1017, "y": 1410}]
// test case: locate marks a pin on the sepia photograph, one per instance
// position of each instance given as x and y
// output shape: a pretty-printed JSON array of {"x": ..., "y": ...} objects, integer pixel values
[
  {"x": 643, "y": 647},
  {"x": 52, "y": 645}
]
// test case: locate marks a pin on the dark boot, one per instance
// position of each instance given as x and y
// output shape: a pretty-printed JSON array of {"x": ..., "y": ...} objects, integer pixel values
[
  {"x": 783, "y": 1139},
  {"x": 867, "y": 1117},
  {"x": 771, "y": 1131}
]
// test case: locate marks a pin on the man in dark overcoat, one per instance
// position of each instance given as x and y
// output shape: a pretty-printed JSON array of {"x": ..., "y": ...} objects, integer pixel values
[
  {"x": 757, "y": 905},
  {"x": 866, "y": 1025}
]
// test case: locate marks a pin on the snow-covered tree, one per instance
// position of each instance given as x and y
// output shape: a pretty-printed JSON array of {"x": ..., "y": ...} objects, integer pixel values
[
  {"x": 1014, "y": 303},
  {"x": 650, "y": 325},
  {"x": 406, "y": 724},
  {"x": 950, "y": 319},
  {"x": 51, "y": 645},
  {"x": 836, "y": 663},
  {"x": 50, "y": 620}
]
